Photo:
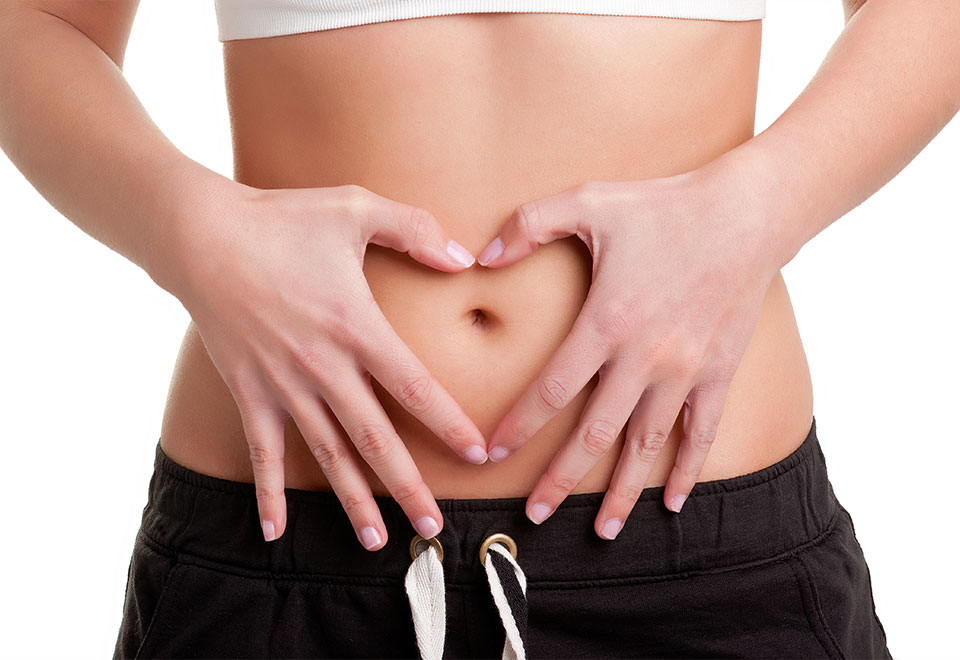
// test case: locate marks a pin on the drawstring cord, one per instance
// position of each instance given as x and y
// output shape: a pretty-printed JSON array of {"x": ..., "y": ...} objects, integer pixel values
[
  {"x": 508, "y": 585},
  {"x": 427, "y": 595},
  {"x": 426, "y": 592}
]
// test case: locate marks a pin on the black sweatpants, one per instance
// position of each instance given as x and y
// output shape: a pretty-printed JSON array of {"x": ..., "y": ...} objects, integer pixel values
[{"x": 761, "y": 565}]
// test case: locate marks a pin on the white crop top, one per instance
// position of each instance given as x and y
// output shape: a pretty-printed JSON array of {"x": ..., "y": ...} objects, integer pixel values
[{"x": 252, "y": 19}]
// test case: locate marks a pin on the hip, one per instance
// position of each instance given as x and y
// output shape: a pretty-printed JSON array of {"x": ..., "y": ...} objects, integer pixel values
[{"x": 765, "y": 564}]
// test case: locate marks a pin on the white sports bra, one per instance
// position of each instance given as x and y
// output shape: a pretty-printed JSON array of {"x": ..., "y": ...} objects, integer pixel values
[{"x": 252, "y": 19}]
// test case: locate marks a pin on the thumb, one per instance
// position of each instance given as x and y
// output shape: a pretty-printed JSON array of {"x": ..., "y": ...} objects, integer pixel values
[
  {"x": 413, "y": 230},
  {"x": 531, "y": 225}
]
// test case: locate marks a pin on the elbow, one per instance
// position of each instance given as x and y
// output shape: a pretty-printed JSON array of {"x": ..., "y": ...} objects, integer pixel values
[
  {"x": 115, "y": 49},
  {"x": 105, "y": 24}
]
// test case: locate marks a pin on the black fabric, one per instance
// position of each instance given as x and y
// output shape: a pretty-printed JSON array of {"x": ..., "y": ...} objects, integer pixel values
[
  {"x": 760, "y": 565},
  {"x": 512, "y": 592}
]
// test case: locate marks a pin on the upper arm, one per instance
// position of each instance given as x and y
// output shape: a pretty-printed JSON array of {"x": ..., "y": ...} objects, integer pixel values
[{"x": 106, "y": 23}]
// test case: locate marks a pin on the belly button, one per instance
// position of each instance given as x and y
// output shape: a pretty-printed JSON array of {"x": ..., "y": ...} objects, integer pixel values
[{"x": 479, "y": 318}]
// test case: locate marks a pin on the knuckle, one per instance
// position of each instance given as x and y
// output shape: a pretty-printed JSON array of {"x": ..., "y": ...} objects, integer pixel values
[
  {"x": 373, "y": 441},
  {"x": 529, "y": 220},
  {"x": 700, "y": 439},
  {"x": 554, "y": 392},
  {"x": 261, "y": 456},
  {"x": 349, "y": 326},
  {"x": 310, "y": 359},
  {"x": 245, "y": 392},
  {"x": 598, "y": 437},
  {"x": 456, "y": 433},
  {"x": 586, "y": 195},
  {"x": 687, "y": 471},
  {"x": 517, "y": 434},
  {"x": 331, "y": 456},
  {"x": 617, "y": 322},
  {"x": 653, "y": 354},
  {"x": 414, "y": 224},
  {"x": 416, "y": 393},
  {"x": 615, "y": 326},
  {"x": 689, "y": 362},
  {"x": 627, "y": 492},
  {"x": 561, "y": 482},
  {"x": 341, "y": 322},
  {"x": 723, "y": 369},
  {"x": 283, "y": 388},
  {"x": 406, "y": 491},
  {"x": 353, "y": 505},
  {"x": 356, "y": 198},
  {"x": 266, "y": 495},
  {"x": 649, "y": 444}
]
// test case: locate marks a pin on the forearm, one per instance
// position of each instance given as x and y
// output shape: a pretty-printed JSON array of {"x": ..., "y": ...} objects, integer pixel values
[
  {"x": 74, "y": 128},
  {"x": 888, "y": 85}
]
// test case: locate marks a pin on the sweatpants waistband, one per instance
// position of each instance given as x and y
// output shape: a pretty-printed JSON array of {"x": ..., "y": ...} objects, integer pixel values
[{"x": 775, "y": 511}]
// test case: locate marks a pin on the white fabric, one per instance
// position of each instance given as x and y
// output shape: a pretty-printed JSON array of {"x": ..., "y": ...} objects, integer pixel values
[
  {"x": 513, "y": 644},
  {"x": 252, "y": 19},
  {"x": 428, "y": 603}
]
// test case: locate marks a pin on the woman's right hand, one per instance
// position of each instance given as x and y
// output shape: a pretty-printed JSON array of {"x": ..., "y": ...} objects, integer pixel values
[{"x": 274, "y": 282}]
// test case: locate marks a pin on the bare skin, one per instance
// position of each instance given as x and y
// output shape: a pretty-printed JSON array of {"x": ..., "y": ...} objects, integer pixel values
[
  {"x": 356, "y": 169},
  {"x": 468, "y": 116}
]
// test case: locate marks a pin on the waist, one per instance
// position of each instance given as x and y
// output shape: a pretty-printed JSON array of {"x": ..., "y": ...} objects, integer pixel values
[
  {"x": 749, "y": 518},
  {"x": 766, "y": 413}
]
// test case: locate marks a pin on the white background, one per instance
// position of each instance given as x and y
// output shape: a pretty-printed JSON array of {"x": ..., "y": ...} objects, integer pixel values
[{"x": 88, "y": 344}]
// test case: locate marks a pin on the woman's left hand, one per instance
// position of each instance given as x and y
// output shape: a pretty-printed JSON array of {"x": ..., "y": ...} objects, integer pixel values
[{"x": 681, "y": 266}]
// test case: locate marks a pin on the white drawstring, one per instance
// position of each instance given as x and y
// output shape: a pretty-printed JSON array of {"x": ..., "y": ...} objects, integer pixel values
[
  {"x": 427, "y": 595},
  {"x": 428, "y": 602}
]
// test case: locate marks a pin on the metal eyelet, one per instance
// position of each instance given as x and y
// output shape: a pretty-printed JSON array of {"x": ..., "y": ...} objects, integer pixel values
[
  {"x": 499, "y": 537},
  {"x": 417, "y": 540}
]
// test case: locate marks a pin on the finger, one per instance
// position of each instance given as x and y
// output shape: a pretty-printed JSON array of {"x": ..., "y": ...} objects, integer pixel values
[
  {"x": 413, "y": 230},
  {"x": 533, "y": 224},
  {"x": 647, "y": 431},
  {"x": 604, "y": 416},
  {"x": 333, "y": 451},
  {"x": 263, "y": 427},
  {"x": 573, "y": 364},
  {"x": 404, "y": 376},
  {"x": 360, "y": 414},
  {"x": 701, "y": 418}
]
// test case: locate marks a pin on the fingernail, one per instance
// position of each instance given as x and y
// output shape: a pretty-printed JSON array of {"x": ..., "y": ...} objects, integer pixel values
[
  {"x": 269, "y": 533},
  {"x": 676, "y": 502},
  {"x": 499, "y": 453},
  {"x": 476, "y": 454},
  {"x": 491, "y": 252},
  {"x": 427, "y": 527},
  {"x": 459, "y": 253},
  {"x": 539, "y": 512},
  {"x": 369, "y": 537},
  {"x": 611, "y": 528}
]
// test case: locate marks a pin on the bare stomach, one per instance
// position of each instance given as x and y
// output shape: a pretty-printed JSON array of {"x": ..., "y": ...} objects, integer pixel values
[{"x": 468, "y": 116}]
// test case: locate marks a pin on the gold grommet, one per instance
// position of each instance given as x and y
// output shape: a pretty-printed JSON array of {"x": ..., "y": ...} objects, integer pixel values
[
  {"x": 417, "y": 540},
  {"x": 497, "y": 538}
]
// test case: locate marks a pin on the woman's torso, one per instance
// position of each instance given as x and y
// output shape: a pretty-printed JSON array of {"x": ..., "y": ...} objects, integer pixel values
[{"x": 468, "y": 116}]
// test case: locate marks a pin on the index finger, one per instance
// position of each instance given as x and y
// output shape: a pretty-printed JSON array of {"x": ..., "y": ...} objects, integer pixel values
[
  {"x": 400, "y": 371},
  {"x": 378, "y": 443},
  {"x": 573, "y": 364}
]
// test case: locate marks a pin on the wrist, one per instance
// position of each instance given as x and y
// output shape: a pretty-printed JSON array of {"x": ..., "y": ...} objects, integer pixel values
[
  {"x": 744, "y": 183},
  {"x": 184, "y": 240}
]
